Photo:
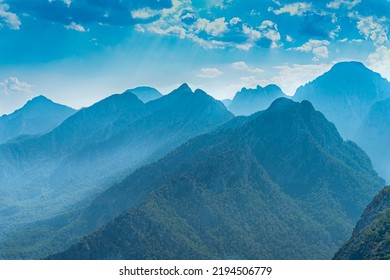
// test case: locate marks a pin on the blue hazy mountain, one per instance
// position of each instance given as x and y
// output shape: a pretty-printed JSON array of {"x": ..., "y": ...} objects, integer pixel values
[
  {"x": 356, "y": 100},
  {"x": 37, "y": 116},
  {"x": 280, "y": 184},
  {"x": 374, "y": 136},
  {"x": 370, "y": 239},
  {"x": 145, "y": 94},
  {"x": 248, "y": 101},
  {"x": 345, "y": 95},
  {"x": 40, "y": 175},
  {"x": 226, "y": 102}
]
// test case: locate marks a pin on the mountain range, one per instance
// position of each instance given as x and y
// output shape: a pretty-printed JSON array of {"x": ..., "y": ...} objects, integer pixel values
[
  {"x": 37, "y": 116},
  {"x": 40, "y": 176},
  {"x": 249, "y": 101},
  {"x": 141, "y": 175},
  {"x": 281, "y": 184}
]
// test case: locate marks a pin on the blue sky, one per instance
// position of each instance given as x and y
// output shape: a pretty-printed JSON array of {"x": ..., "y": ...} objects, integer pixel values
[{"x": 77, "y": 52}]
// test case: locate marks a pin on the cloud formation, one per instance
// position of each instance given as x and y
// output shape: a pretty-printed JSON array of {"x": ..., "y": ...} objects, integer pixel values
[
  {"x": 379, "y": 61},
  {"x": 209, "y": 73},
  {"x": 372, "y": 28},
  {"x": 294, "y": 9},
  {"x": 12, "y": 84},
  {"x": 76, "y": 27},
  {"x": 113, "y": 12},
  {"x": 336, "y": 4},
  {"x": 317, "y": 47},
  {"x": 241, "y": 65},
  {"x": 8, "y": 18}
]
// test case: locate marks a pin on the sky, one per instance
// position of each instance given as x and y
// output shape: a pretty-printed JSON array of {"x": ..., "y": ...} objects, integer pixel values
[{"x": 77, "y": 52}]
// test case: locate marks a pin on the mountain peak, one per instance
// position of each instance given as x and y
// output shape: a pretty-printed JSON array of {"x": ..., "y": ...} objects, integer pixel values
[
  {"x": 287, "y": 105},
  {"x": 272, "y": 87},
  {"x": 282, "y": 102},
  {"x": 37, "y": 116},
  {"x": 249, "y": 101},
  {"x": 349, "y": 65},
  {"x": 345, "y": 94},
  {"x": 40, "y": 99},
  {"x": 199, "y": 91},
  {"x": 145, "y": 93},
  {"x": 184, "y": 88},
  {"x": 295, "y": 120}
]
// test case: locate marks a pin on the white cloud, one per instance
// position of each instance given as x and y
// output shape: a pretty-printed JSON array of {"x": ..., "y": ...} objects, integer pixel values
[
  {"x": 221, "y": 4},
  {"x": 379, "y": 61},
  {"x": 170, "y": 24},
  {"x": 144, "y": 13},
  {"x": 270, "y": 31},
  {"x": 334, "y": 33},
  {"x": 174, "y": 30},
  {"x": 343, "y": 40},
  {"x": 234, "y": 21},
  {"x": 317, "y": 47},
  {"x": 76, "y": 27},
  {"x": 311, "y": 44},
  {"x": 11, "y": 19},
  {"x": 372, "y": 28},
  {"x": 321, "y": 52},
  {"x": 214, "y": 28},
  {"x": 208, "y": 32},
  {"x": 12, "y": 84},
  {"x": 68, "y": 2},
  {"x": 252, "y": 34},
  {"x": 336, "y": 4},
  {"x": 294, "y": 9},
  {"x": 289, "y": 38},
  {"x": 241, "y": 65},
  {"x": 209, "y": 73},
  {"x": 139, "y": 28}
]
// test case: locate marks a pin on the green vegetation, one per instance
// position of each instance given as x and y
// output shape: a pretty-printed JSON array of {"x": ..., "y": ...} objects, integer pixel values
[
  {"x": 282, "y": 185},
  {"x": 371, "y": 237}
]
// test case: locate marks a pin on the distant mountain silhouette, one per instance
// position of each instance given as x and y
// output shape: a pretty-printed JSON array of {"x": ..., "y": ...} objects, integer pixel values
[
  {"x": 353, "y": 98},
  {"x": 281, "y": 184},
  {"x": 226, "y": 102},
  {"x": 145, "y": 94},
  {"x": 249, "y": 101},
  {"x": 370, "y": 239},
  {"x": 37, "y": 116},
  {"x": 374, "y": 136},
  {"x": 96, "y": 146},
  {"x": 345, "y": 95}
]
